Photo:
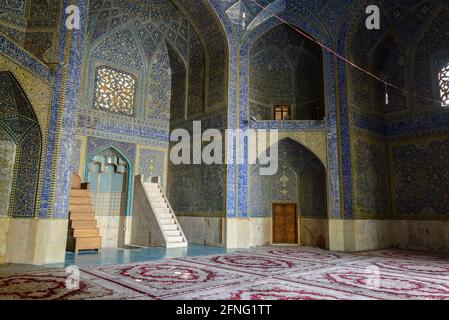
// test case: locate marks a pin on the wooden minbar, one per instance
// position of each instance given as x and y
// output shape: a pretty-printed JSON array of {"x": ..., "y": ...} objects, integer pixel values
[{"x": 83, "y": 233}]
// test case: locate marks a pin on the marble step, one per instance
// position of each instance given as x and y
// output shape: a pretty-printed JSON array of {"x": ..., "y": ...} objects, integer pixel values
[
  {"x": 165, "y": 216},
  {"x": 172, "y": 232},
  {"x": 159, "y": 201},
  {"x": 152, "y": 185},
  {"x": 160, "y": 205},
  {"x": 177, "y": 244},
  {"x": 162, "y": 210},
  {"x": 156, "y": 196},
  {"x": 168, "y": 221},
  {"x": 81, "y": 224},
  {"x": 169, "y": 227},
  {"x": 175, "y": 239},
  {"x": 81, "y": 208}
]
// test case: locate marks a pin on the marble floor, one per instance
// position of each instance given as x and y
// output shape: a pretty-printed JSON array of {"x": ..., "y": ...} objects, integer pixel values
[
  {"x": 135, "y": 255},
  {"x": 263, "y": 273},
  {"x": 119, "y": 256}
]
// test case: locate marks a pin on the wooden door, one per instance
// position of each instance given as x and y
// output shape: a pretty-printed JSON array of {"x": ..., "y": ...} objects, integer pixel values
[
  {"x": 284, "y": 223},
  {"x": 290, "y": 223},
  {"x": 278, "y": 223}
]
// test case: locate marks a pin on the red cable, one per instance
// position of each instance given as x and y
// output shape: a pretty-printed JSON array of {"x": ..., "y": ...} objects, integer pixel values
[{"x": 341, "y": 57}]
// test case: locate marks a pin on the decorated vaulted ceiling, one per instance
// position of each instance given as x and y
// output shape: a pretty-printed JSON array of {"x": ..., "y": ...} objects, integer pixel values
[
  {"x": 411, "y": 30},
  {"x": 186, "y": 26},
  {"x": 31, "y": 24},
  {"x": 407, "y": 17},
  {"x": 408, "y": 50},
  {"x": 406, "y": 20},
  {"x": 245, "y": 15},
  {"x": 286, "y": 69}
]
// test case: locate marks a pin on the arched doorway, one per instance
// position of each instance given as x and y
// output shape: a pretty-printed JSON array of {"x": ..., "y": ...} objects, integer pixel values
[
  {"x": 20, "y": 151},
  {"x": 109, "y": 174},
  {"x": 294, "y": 198}
]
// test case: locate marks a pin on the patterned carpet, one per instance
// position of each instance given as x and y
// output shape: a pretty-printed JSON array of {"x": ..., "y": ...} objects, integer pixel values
[{"x": 268, "y": 273}]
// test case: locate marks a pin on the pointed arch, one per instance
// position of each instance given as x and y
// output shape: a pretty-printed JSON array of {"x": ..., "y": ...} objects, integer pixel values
[
  {"x": 130, "y": 171},
  {"x": 20, "y": 123},
  {"x": 286, "y": 69},
  {"x": 211, "y": 32},
  {"x": 299, "y": 181},
  {"x": 179, "y": 82},
  {"x": 306, "y": 164},
  {"x": 429, "y": 56},
  {"x": 388, "y": 60}
]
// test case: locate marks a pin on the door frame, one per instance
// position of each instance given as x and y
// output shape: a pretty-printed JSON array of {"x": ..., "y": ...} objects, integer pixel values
[{"x": 296, "y": 224}]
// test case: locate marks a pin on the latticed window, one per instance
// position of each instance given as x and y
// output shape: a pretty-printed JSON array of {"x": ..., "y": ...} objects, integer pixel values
[
  {"x": 114, "y": 91},
  {"x": 444, "y": 86}
]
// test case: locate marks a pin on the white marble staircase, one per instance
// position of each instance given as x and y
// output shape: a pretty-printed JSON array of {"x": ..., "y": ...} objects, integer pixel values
[{"x": 171, "y": 230}]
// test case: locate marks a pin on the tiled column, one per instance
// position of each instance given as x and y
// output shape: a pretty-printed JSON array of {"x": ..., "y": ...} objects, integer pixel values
[
  {"x": 47, "y": 242},
  {"x": 341, "y": 227},
  {"x": 231, "y": 185},
  {"x": 61, "y": 127}
]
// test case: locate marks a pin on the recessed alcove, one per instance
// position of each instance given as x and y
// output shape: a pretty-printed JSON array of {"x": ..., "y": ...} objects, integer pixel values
[{"x": 286, "y": 70}]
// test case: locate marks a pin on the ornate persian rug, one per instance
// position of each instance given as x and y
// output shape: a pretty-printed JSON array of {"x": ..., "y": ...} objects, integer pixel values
[
  {"x": 394, "y": 286},
  {"x": 306, "y": 253},
  {"x": 267, "y": 273},
  {"x": 410, "y": 255},
  {"x": 169, "y": 277},
  {"x": 273, "y": 289},
  {"x": 256, "y": 264},
  {"x": 51, "y": 285},
  {"x": 427, "y": 268}
]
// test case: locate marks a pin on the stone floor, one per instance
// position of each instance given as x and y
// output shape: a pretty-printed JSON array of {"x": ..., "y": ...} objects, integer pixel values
[
  {"x": 119, "y": 256},
  {"x": 273, "y": 273},
  {"x": 130, "y": 255}
]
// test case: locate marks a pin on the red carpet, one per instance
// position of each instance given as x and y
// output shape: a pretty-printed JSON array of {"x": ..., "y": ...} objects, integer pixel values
[{"x": 274, "y": 273}]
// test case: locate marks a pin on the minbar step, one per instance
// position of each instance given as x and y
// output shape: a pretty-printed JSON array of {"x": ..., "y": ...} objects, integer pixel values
[
  {"x": 170, "y": 233},
  {"x": 80, "y": 208},
  {"x": 81, "y": 224},
  {"x": 80, "y": 200},
  {"x": 85, "y": 232},
  {"x": 84, "y": 243},
  {"x": 173, "y": 239},
  {"x": 82, "y": 216},
  {"x": 169, "y": 227},
  {"x": 79, "y": 193}
]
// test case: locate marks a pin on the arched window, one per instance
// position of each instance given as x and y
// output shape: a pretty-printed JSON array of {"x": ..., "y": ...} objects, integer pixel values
[
  {"x": 115, "y": 91},
  {"x": 443, "y": 78}
]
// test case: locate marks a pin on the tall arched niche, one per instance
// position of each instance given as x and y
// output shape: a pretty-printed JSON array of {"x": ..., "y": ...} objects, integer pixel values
[
  {"x": 286, "y": 69},
  {"x": 21, "y": 143}
]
